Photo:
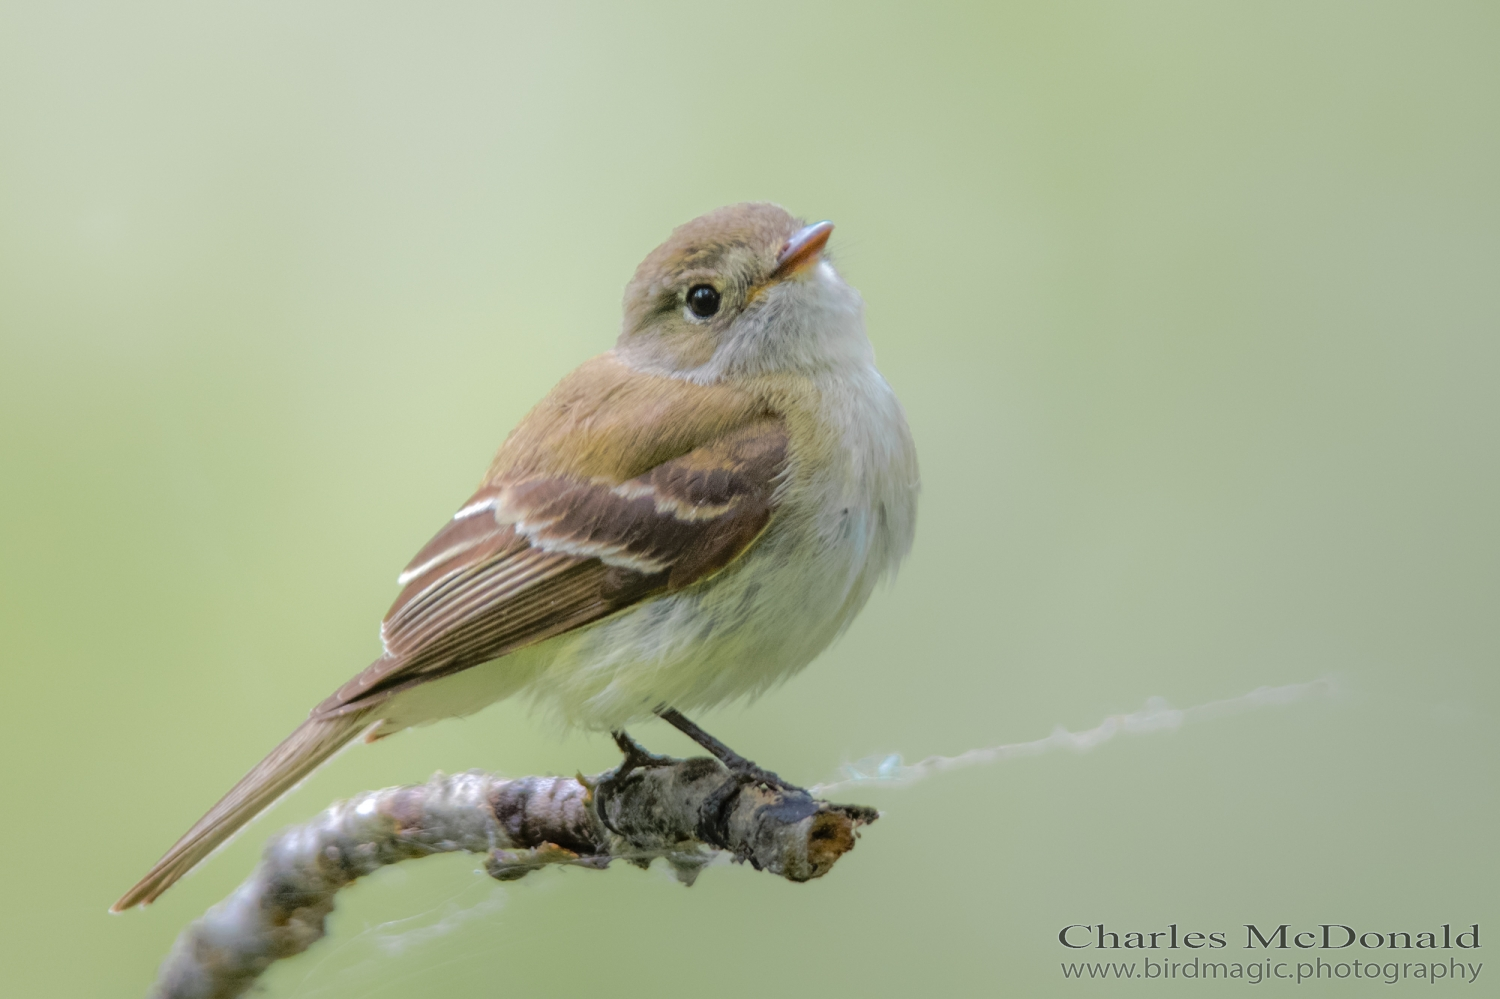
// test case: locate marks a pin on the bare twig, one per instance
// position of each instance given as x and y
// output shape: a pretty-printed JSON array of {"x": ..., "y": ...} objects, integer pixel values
[{"x": 650, "y": 807}]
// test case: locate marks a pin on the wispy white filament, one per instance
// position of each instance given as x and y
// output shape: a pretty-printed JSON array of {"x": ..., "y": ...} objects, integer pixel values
[{"x": 1156, "y": 716}]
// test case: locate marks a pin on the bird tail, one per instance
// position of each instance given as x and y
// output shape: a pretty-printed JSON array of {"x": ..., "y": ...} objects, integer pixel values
[{"x": 299, "y": 754}]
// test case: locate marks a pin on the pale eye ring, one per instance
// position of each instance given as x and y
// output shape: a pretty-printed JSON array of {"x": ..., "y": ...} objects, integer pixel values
[{"x": 703, "y": 300}]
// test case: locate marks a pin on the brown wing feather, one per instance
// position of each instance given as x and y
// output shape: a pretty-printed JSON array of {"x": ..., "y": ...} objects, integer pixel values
[
  {"x": 540, "y": 550},
  {"x": 529, "y": 559}
]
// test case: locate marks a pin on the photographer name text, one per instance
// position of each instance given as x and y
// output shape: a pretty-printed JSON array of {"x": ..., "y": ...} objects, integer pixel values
[{"x": 1283, "y": 936}]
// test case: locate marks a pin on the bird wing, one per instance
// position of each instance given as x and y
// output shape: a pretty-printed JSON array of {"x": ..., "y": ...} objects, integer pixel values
[
  {"x": 535, "y": 555},
  {"x": 617, "y": 488}
]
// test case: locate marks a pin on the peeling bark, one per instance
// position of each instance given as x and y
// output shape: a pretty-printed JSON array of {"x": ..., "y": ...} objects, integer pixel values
[{"x": 680, "y": 810}]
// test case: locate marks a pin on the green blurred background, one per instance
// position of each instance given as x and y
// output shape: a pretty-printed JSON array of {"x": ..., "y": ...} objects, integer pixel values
[{"x": 1193, "y": 308}]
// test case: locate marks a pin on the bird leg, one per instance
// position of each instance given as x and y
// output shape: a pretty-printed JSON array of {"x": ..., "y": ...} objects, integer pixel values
[
  {"x": 637, "y": 757},
  {"x": 744, "y": 770}
]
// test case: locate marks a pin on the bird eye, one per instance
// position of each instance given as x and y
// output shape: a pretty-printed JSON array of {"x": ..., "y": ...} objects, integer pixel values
[{"x": 703, "y": 299}]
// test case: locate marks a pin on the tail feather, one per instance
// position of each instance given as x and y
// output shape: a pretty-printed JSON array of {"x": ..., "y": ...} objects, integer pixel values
[{"x": 314, "y": 741}]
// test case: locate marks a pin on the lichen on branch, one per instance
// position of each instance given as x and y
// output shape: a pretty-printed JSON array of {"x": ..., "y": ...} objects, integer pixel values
[{"x": 682, "y": 811}]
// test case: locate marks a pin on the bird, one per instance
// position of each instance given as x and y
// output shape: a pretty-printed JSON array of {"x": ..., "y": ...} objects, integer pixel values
[{"x": 685, "y": 520}]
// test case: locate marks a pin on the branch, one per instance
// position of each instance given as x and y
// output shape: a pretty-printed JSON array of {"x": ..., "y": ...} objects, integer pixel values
[
  {"x": 651, "y": 806},
  {"x": 680, "y": 810}
]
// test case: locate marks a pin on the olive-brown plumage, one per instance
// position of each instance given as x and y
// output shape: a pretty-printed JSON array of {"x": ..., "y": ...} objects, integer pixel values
[{"x": 684, "y": 520}]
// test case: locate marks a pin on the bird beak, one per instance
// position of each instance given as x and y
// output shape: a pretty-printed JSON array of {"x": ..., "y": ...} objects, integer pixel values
[{"x": 802, "y": 249}]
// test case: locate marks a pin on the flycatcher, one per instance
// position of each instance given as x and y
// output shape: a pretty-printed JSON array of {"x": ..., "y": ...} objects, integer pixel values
[{"x": 685, "y": 520}]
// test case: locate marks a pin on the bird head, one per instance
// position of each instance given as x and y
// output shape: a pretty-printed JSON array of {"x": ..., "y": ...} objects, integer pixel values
[{"x": 742, "y": 291}]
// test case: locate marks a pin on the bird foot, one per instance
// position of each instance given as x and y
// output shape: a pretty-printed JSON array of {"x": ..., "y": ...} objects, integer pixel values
[
  {"x": 637, "y": 757},
  {"x": 744, "y": 771},
  {"x": 747, "y": 772}
]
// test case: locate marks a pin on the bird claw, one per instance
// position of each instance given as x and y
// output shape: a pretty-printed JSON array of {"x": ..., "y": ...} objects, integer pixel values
[
  {"x": 746, "y": 772},
  {"x": 637, "y": 757}
]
